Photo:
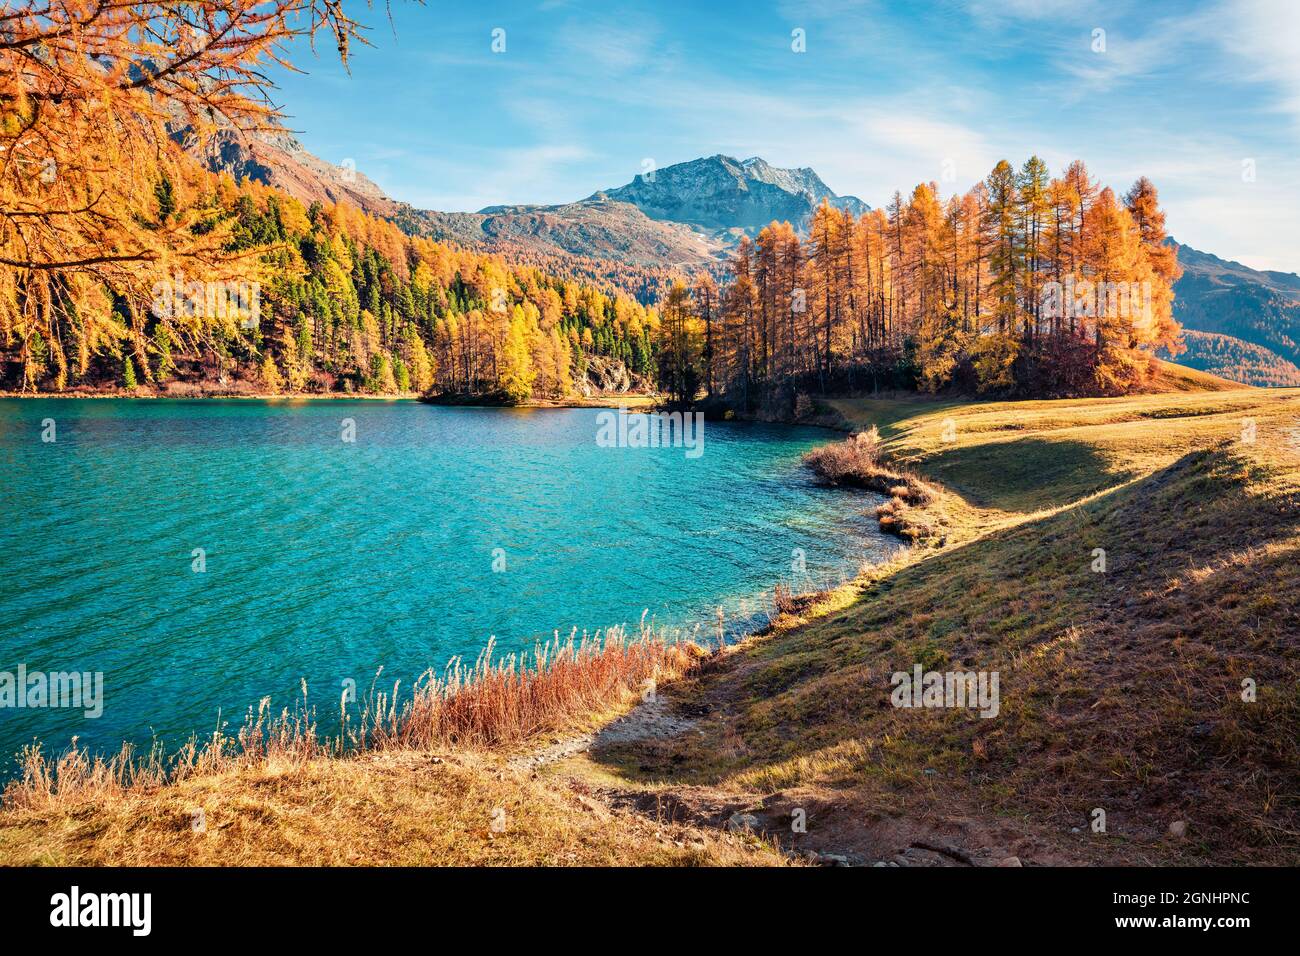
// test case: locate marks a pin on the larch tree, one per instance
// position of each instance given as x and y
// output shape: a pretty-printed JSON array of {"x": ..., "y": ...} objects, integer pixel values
[
  {"x": 1024, "y": 284},
  {"x": 97, "y": 205}
]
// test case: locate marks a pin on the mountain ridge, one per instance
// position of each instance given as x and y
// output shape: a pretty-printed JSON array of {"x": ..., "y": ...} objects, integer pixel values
[
  {"x": 689, "y": 215},
  {"x": 723, "y": 194}
]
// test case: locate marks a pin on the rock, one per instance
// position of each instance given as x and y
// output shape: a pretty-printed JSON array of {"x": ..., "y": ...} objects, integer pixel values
[
  {"x": 1178, "y": 829},
  {"x": 606, "y": 376},
  {"x": 832, "y": 859},
  {"x": 1010, "y": 861},
  {"x": 739, "y": 822}
]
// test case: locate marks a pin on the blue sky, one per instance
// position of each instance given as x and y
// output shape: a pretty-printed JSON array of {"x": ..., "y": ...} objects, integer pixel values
[{"x": 1191, "y": 94}]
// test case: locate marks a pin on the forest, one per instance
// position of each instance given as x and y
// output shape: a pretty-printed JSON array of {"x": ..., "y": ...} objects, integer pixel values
[
  {"x": 126, "y": 265},
  {"x": 340, "y": 302},
  {"x": 1024, "y": 285}
]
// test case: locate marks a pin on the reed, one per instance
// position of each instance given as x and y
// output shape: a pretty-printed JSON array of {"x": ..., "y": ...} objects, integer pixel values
[{"x": 490, "y": 703}]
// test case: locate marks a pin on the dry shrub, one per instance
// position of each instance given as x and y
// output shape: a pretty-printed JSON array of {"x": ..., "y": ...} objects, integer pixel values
[
  {"x": 854, "y": 461},
  {"x": 783, "y": 599},
  {"x": 490, "y": 703},
  {"x": 857, "y": 461},
  {"x": 897, "y": 517}
]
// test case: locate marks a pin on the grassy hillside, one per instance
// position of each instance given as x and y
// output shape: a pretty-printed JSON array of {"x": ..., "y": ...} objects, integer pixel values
[
  {"x": 1120, "y": 690},
  {"x": 388, "y": 809}
]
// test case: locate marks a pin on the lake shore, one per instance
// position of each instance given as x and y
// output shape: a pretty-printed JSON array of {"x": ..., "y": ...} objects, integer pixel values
[
  {"x": 618, "y": 400},
  {"x": 596, "y": 401},
  {"x": 796, "y": 718}
]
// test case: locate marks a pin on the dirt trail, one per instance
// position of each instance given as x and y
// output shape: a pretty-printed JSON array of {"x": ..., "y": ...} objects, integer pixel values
[
  {"x": 649, "y": 720},
  {"x": 832, "y": 828}
]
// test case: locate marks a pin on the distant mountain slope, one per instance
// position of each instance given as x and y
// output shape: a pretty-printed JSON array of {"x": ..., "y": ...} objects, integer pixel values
[
  {"x": 597, "y": 227},
  {"x": 1261, "y": 310},
  {"x": 1239, "y": 361},
  {"x": 684, "y": 216},
  {"x": 279, "y": 160},
  {"x": 724, "y": 195},
  {"x": 1226, "y": 272}
]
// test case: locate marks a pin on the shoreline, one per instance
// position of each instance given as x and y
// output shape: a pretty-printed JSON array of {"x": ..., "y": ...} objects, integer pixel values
[
  {"x": 606, "y": 401},
  {"x": 629, "y": 400},
  {"x": 769, "y": 605}
]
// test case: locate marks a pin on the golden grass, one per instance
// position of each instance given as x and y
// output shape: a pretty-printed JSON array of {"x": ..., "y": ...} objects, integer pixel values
[
  {"x": 492, "y": 703},
  {"x": 1120, "y": 689},
  {"x": 427, "y": 781},
  {"x": 388, "y": 808}
]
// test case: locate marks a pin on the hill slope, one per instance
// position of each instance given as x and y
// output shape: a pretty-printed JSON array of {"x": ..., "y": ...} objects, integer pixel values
[
  {"x": 278, "y": 160},
  {"x": 1120, "y": 690},
  {"x": 597, "y": 228}
]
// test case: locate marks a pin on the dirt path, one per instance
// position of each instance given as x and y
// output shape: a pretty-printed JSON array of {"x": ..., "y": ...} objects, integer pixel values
[
  {"x": 649, "y": 720},
  {"x": 823, "y": 828}
]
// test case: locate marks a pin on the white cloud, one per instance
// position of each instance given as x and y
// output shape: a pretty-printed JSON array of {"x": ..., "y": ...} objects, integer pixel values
[{"x": 1265, "y": 37}]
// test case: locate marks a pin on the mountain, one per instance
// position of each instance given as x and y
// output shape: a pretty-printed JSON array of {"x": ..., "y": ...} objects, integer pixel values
[
  {"x": 276, "y": 158},
  {"x": 725, "y": 196},
  {"x": 1251, "y": 319},
  {"x": 682, "y": 217},
  {"x": 1243, "y": 324},
  {"x": 597, "y": 227}
]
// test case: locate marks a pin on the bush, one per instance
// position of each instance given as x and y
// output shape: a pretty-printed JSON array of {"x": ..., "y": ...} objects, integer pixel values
[{"x": 856, "y": 460}]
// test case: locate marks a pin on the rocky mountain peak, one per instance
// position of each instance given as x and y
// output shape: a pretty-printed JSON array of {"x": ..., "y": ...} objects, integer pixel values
[{"x": 722, "y": 193}]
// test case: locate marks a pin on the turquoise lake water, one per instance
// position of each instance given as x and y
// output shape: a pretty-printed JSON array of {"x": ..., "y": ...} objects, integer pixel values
[{"x": 327, "y": 559}]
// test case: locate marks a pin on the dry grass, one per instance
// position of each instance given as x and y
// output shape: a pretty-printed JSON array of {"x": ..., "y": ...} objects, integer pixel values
[
  {"x": 1119, "y": 689},
  {"x": 858, "y": 461},
  {"x": 388, "y": 808},
  {"x": 492, "y": 703},
  {"x": 854, "y": 461}
]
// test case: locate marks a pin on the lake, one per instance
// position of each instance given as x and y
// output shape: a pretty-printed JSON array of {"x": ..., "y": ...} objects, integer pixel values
[{"x": 204, "y": 554}]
